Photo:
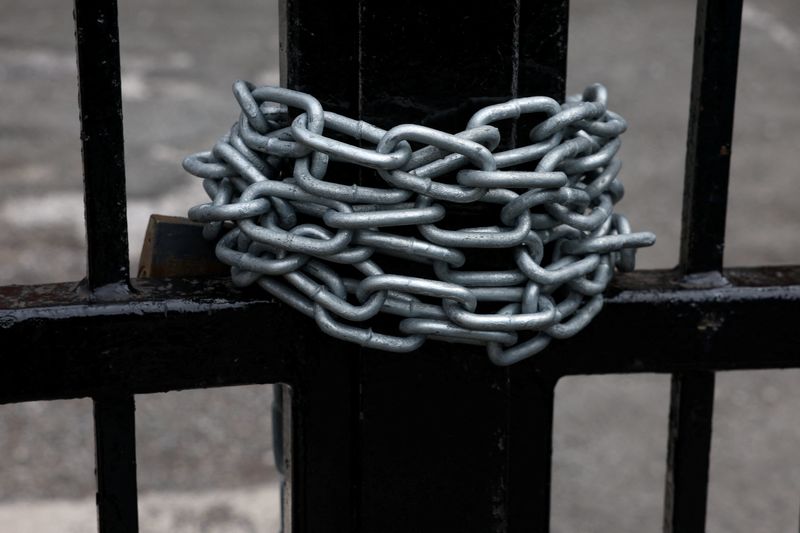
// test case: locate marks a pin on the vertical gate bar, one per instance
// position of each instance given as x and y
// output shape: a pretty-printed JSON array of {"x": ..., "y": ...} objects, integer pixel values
[
  {"x": 115, "y": 453},
  {"x": 322, "y": 477},
  {"x": 714, "y": 73},
  {"x": 319, "y": 55},
  {"x": 530, "y": 450},
  {"x": 690, "y": 419},
  {"x": 708, "y": 153},
  {"x": 97, "y": 39},
  {"x": 429, "y": 438}
]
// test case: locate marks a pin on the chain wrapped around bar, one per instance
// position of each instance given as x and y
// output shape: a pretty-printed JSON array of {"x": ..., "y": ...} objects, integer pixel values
[{"x": 320, "y": 245}]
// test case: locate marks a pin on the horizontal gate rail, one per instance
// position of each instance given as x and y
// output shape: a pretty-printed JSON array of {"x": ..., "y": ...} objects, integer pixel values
[{"x": 180, "y": 334}]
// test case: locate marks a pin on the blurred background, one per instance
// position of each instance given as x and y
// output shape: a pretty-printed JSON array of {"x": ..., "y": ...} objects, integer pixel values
[{"x": 204, "y": 457}]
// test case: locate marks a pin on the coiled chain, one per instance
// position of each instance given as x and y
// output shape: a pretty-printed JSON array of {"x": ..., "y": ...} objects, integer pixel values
[{"x": 316, "y": 243}]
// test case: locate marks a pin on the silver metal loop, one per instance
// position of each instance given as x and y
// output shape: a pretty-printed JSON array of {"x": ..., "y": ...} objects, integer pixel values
[
  {"x": 511, "y": 178},
  {"x": 499, "y": 322},
  {"x": 599, "y": 159},
  {"x": 228, "y": 254},
  {"x": 409, "y": 247},
  {"x": 527, "y": 154},
  {"x": 604, "y": 180},
  {"x": 487, "y": 237},
  {"x": 476, "y": 153},
  {"x": 609, "y": 125},
  {"x": 568, "y": 149},
  {"x": 523, "y": 203},
  {"x": 519, "y": 351},
  {"x": 288, "y": 97},
  {"x": 275, "y": 143},
  {"x": 287, "y": 295},
  {"x": 588, "y": 222},
  {"x": 220, "y": 211},
  {"x": 514, "y": 109},
  {"x": 287, "y": 240},
  {"x": 250, "y": 108},
  {"x": 221, "y": 192},
  {"x": 265, "y": 166},
  {"x": 243, "y": 167},
  {"x": 446, "y": 331},
  {"x": 599, "y": 281},
  {"x": 347, "y": 256},
  {"x": 205, "y": 165},
  {"x": 399, "y": 156},
  {"x": 334, "y": 303},
  {"x": 609, "y": 243},
  {"x": 427, "y": 287},
  {"x": 432, "y": 161},
  {"x": 569, "y": 115},
  {"x": 595, "y": 92},
  {"x": 481, "y": 278},
  {"x": 579, "y": 321},
  {"x": 627, "y": 256},
  {"x": 411, "y": 308},
  {"x": 365, "y": 337},
  {"x": 388, "y": 217},
  {"x": 550, "y": 275},
  {"x": 345, "y": 193}
]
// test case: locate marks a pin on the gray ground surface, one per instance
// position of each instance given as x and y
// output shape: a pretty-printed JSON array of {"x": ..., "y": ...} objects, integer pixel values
[{"x": 179, "y": 58}]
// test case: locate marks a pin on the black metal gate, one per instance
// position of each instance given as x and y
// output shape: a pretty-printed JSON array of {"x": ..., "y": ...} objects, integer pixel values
[{"x": 440, "y": 439}]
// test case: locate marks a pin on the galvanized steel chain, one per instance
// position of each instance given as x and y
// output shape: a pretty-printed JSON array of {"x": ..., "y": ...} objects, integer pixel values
[{"x": 320, "y": 245}]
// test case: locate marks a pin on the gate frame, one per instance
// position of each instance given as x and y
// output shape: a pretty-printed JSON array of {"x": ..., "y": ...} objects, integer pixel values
[{"x": 470, "y": 447}]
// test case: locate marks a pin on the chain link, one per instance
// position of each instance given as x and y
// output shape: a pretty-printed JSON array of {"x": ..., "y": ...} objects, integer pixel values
[{"x": 316, "y": 244}]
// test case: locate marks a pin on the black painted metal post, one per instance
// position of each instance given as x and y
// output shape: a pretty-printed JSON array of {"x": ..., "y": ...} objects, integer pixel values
[
  {"x": 432, "y": 431},
  {"x": 97, "y": 47},
  {"x": 716, "y": 54},
  {"x": 530, "y": 449},
  {"x": 115, "y": 452},
  {"x": 322, "y": 415},
  {"x": 708, "y": 152},
  {"x": 97, "y": 38},
  {"x": 689, "y": 444}
]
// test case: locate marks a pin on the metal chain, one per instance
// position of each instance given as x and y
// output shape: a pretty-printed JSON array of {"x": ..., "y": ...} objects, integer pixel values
[{"x": 316, "y": 244}]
